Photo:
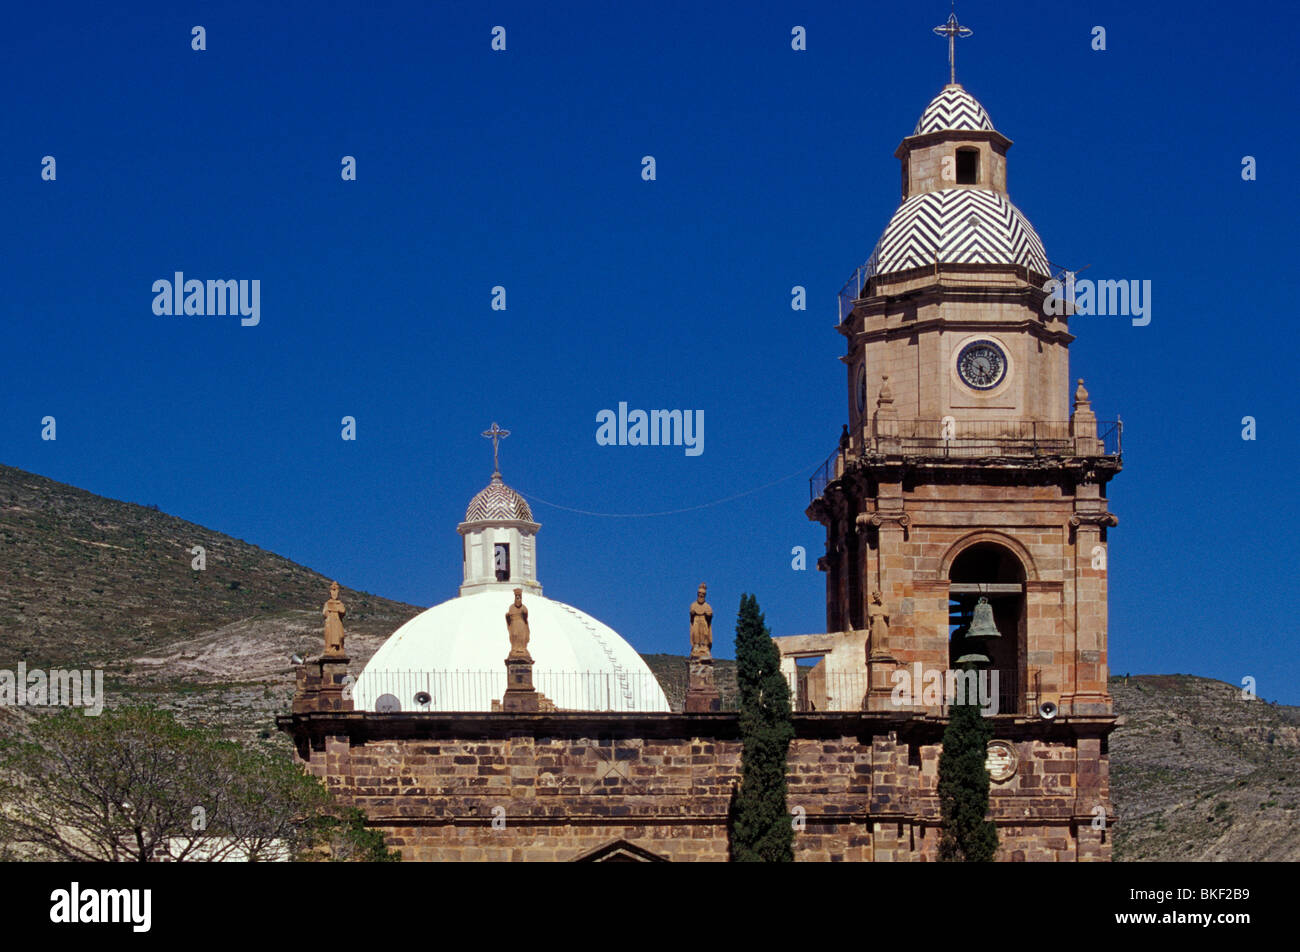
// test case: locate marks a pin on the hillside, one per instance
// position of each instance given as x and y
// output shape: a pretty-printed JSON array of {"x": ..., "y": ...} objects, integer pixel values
[
  {"x": 87, "y": 580},
  {"x": 1197, "y": 773}
]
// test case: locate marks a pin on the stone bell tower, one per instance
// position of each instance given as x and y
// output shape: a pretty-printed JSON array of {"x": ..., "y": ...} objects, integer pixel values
[{"x": 962, "y": 474}]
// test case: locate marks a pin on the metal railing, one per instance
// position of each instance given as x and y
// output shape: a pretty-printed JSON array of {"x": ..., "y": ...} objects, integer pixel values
[
  {"x": 852, "y": 289},
  {"x": 598, "y": 691},
  {"x": 1112, "y": 437},
  {"x": 467, "y": 691},
  {"x": 824, "y": 474},
  {"x": 990, "y": 438},
  {"x": 828, "y": 691},
  {"x": 847, "y": 691}
]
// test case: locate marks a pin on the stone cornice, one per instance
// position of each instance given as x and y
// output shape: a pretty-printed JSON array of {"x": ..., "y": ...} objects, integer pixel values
[
  {"x": 941, "y": 324},
  {"x": 528, "y": 528},
  {"x": 891, "y": 466},
  {"x": 920, "y": 141},
  {"x": 368, "y": 726}
]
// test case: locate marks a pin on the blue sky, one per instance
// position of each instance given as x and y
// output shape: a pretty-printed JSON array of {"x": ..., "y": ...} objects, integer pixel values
[{"x": 522, "y": 169}]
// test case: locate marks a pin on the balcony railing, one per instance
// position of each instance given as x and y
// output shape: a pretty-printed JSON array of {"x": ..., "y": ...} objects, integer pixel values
[
  {"x": 846, "y": 691},
  {"x": 476, "y": 691},
  {"x": 831, "y": 469},
  {"x": 463, "y": 691},
  {"x": 988, "y": 438},
  {"x": 974, "y": 439},
  {"x": 852, "y": 289}
]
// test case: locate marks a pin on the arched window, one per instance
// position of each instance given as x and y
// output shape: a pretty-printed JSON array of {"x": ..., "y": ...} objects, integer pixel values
[{"x": 988, "y": 570}]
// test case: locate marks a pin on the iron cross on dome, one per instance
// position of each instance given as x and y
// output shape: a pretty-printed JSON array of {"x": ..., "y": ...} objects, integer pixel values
[
  {"x": 496, "y": 435},
  {"x": 952, "y": 29}
]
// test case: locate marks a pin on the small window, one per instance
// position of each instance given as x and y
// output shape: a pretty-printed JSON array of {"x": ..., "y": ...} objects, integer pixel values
[
  {"x": 501, "y": 558},
  {"x": 968, "y": 166}
]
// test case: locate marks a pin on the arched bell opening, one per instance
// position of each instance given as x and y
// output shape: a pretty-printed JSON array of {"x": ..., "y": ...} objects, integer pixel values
[{"x": 993, "y": 572}]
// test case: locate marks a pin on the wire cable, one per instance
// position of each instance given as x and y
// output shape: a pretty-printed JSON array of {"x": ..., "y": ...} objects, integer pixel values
[{"x": 667, "y": 512}]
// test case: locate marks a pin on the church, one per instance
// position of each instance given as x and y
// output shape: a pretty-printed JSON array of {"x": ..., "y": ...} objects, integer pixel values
[{"x": 966, "y": 518}]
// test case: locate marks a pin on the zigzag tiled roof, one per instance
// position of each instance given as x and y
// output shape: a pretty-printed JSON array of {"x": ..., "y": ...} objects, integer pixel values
[
  {"x": 958, "y": 226},
  {"x": 953, "y": 108},
  {"x": 498, "y": 501}
]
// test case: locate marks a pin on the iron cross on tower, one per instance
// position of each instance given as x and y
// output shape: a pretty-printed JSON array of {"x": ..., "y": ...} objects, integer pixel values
[
  {"x": 952, "y": 29},
  {"x": 496, "y": 435}
]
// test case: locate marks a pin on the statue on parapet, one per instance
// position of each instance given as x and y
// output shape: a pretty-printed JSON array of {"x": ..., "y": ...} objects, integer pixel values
[
  {"x": 701, "y": 627},
  {"x": 334, "y": 611},
  {"x": 517, "y": 626}
]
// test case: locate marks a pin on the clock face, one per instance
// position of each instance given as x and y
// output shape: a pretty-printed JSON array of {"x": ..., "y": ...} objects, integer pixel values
[
  {"x": 861, "y": 389},
  {"x": 982, "y": 365}
]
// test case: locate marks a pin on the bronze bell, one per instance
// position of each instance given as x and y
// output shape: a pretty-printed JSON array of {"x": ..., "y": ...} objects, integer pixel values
[{"x": 981, "y": 626}]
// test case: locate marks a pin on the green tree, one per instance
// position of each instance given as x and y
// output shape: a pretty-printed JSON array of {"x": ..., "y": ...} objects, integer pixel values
[
  {"x": 761, "y": 829},
  {"x": 968, "y": 837},
  {"x": 343, "y": 837},
  {"x": 135, "y": 785}
]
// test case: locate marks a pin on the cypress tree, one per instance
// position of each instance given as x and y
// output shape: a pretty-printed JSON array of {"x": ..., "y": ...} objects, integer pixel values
[
  {"x": 964, "y": 788},
  {"x": 761, "y": 829}
]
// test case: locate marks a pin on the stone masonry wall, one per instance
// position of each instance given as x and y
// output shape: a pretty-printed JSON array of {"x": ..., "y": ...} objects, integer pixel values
[{"x": 533, "y": 787}]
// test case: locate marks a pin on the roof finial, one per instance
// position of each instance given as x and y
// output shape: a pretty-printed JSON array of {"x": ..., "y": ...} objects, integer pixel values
[
  {"x": 952, "y": 29},
  {"x": 496, "y": 435}
]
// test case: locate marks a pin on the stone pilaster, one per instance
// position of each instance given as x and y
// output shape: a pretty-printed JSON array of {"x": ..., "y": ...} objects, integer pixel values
[
  {"x": 890, "y": 527},
  {"x": 1087, "y": 690}
]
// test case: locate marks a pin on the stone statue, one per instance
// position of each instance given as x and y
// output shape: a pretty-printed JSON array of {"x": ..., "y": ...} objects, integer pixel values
[
  {"x": 701, "y": 626},
  {"x": 877, "y": 624},
  {"x": 517, "y": 626},
  {"x": 334, "y": 611}
]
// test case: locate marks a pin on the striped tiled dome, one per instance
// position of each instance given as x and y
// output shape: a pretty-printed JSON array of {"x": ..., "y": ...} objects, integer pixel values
[
  {"x": 958, "y": 226},
  {"x": 954, "y": 109},
  {"x": 498, "y": 501}
]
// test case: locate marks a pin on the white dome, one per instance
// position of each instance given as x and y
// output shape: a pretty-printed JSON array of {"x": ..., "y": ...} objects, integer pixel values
[{"x": 455, "y": 652}]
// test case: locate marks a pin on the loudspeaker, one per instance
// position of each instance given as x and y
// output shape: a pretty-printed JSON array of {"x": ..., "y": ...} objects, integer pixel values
[{"x": 1047, "y": 710}]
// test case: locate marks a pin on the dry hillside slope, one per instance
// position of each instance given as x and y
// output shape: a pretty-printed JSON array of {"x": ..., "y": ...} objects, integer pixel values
[{"x": 86, "y": 580}]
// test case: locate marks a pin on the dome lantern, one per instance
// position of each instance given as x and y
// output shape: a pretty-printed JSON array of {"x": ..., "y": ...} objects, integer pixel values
[{"x": 500, "y": 536}]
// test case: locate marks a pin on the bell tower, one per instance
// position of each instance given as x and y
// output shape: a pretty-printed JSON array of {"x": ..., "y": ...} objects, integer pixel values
[
  {"x": 965, "y": 505},
  {"x": 962, "y": 474}
]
